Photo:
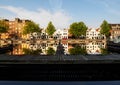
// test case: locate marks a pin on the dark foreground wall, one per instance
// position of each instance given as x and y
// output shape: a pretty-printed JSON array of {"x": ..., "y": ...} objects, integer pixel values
[{"x": 60, "y": 72}]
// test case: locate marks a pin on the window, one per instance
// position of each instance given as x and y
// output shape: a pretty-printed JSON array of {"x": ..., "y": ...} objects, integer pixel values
[{"x": 64, "y": 33}]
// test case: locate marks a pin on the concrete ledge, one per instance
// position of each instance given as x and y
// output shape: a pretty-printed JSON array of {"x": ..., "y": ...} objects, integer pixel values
[{"x": 60, "y": 59}]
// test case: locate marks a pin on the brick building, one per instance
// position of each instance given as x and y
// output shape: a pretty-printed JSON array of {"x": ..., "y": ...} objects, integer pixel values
[
  {"x": 115, "y": 31},
  {"x": 15, "y": 29}
]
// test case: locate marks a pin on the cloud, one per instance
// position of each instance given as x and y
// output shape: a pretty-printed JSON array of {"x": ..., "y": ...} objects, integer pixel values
[{"x": 60, "y": 19}]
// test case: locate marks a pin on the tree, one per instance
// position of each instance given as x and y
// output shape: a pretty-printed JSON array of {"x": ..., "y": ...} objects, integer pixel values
[
  {"x": 50, "y": 29},
  {"x": 50, "y": 51},
  {"x": 3, "y": 27},
  {"x": 31, "y": 52},
  {"x": 105, "y": 29},
  {"x": 30, "y": 27},
  {"x": 78, "y": 29},
  {"x": 104, "y": 51},
  {"x": 77, "y": 50}
]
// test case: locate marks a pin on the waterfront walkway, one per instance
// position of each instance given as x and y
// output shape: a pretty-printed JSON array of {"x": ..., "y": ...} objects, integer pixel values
[{"x": 59, "y": 59}]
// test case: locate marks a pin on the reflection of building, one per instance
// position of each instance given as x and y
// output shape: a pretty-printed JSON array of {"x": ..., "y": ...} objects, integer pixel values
[
  {"x": 19, "y": 49},
  {"x": 43, "y": 46},
  {"x": 91, "y": 48},
  {"x": 94, "y": 34},
  {"x": 94, "y": 47},
  {"x": 34, "y": 35},
  {"x": 115, "y": 31},
  {"x": 65, "y": 45},
  {"x": 44, "y": 35},
  {"x": 4, "y": 35}
]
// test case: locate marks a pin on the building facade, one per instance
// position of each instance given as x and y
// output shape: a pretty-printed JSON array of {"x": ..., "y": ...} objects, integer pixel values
[
  {"x": 61, "y": 34},
  {"x": 65, "y": 34},
  {"x": 94, "y": 34},
  {"x": 95, "y": 47},
  {"x": 115, "y": 32},
  {"x": 15, "y": 29}
]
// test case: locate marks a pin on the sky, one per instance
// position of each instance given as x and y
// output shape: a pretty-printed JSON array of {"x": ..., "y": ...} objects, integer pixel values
[{"x": 62, "y": 13}]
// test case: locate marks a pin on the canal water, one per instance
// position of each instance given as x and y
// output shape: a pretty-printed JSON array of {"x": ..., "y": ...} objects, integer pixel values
[{"x": 63, "y": 47}]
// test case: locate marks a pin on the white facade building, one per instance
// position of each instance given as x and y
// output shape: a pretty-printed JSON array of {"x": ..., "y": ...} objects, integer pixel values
[
  {"x": 61, "y": 34},
  {"x": 58, "y": 34},
  {"x": 65, "y": 34},
  {"x": 94, "y": 34}
]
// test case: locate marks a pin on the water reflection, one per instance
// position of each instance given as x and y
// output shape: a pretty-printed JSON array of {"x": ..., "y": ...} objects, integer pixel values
[
  {"x": 95, "y": 47},
  {"x": 49, "y": 48}
]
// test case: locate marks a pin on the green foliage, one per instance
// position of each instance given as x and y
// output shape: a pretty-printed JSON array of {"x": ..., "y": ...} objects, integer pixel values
[
  {"x": 50, "y": 51},
  {"x": 105, "y": 28},
  {"x": 104, "y": 51},
  {"x": 3, "y": 26},
  {"x": 31, "y": 52},
  {"x": 77, "y": 50},
  {"x": 31, "y": 27},
  {"x": 50, "y": 29},
  {"x": 78, "y": 29}
]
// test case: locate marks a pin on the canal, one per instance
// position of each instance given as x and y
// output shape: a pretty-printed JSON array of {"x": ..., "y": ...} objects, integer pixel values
[{"x": 65, "y": 47}]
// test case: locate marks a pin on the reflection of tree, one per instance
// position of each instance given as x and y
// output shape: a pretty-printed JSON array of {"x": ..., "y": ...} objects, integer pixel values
[
  {"x": 29, "y": 51},
  {"x": 50, "y": 51},
  {"x": 77, "y": 50},
  {"x": 104, "y": 51}
]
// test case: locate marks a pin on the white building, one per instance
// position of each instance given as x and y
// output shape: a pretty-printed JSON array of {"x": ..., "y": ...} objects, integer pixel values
[
  {"x": 58, "y": 34},
  {"x": 61, "y": 34},
  {"x": 94, "y": 34},
  {"x": 65, "y": 34}
]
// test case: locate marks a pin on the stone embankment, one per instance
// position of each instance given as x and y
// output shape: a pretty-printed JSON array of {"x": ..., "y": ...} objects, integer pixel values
[
  {"x": 59, "y": 59},
  {"x": 49, "y": 41}
]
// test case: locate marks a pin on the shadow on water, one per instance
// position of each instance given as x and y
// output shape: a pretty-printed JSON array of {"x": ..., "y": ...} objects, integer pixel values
[
  {"x": 60, "y": 49},
  {"x": 6, "y": 48},
  {"x": 113, "y": 47}
]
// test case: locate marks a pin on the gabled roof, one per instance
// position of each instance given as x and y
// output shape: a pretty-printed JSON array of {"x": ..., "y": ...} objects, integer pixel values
[
  {"x": 114, "y": 24},
  {"x": 98, "y": 29}
]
